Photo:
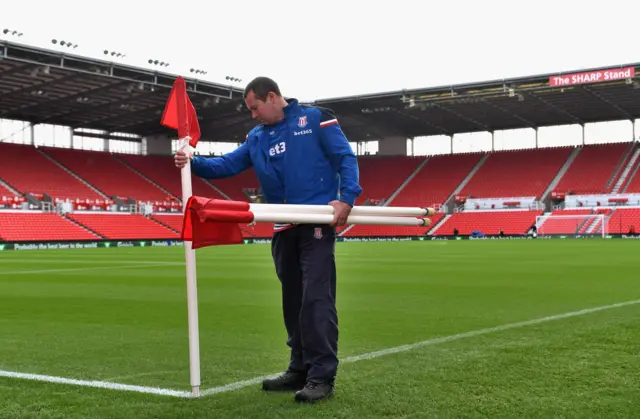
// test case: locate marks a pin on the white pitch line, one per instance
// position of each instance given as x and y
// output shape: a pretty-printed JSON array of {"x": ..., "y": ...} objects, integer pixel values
[
  {"x": 254, "y": 381},
  {"x": 90, "y": 268},
  {"x": 96, "y": 384}
]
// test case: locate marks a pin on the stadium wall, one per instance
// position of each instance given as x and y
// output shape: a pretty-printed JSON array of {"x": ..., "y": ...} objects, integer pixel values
[
  {"x": 157, "y": 145},
  {"x": 392, "y": 146}
]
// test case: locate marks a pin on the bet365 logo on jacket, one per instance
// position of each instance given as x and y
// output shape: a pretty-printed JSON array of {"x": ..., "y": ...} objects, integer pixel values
[{"x": 277, "y": 149}]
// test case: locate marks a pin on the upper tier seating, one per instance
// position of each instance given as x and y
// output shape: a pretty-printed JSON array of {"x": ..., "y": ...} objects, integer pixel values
[
  {"x": 107, "y": 174},
  {"x": 28, "y": 170},
  {"x": 30, "y": 226},
  {"x": 520, "y": 173},
  {"x": 592, "y": 169},
  {"x": 437, "y": 180},
  {"x": 633, "y": 184},
  {"x": 162, "y": 171},
  {"x": 381, "y": 176}
]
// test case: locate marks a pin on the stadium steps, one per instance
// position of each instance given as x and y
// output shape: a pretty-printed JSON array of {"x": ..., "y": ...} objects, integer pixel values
[
  {"x": 435, "y": 228},
  {"x": 621, "y": 172},
  {"x": 137, "y": 172},
  {"x": 633, "y": 183},
  {"x": 466, "y": 180},
  {"x": 66, "y": 169},
  {"x": 164, "y": 224},
  {"x": 9, "y": 188},
  {"x": 217, "y": 189},
  {"x": 396, "y": 192},
  {"x": 560, "y": 174},
  {"x": 406, "y": 181},
  {"x": 628, "y": 173},
  {"x": 79, "y": 224}
]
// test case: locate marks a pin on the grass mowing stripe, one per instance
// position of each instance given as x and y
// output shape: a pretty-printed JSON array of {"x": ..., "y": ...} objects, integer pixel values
[
  {"x": 245, "y": 383},
  {"x": 434, "y": 341},
  {"x": 89, "y": 268}
]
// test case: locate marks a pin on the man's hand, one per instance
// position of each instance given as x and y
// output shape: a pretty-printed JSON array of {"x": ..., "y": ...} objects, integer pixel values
[
  {"x": 341, "y": 211},
  {"x": 181, "y": 159}
]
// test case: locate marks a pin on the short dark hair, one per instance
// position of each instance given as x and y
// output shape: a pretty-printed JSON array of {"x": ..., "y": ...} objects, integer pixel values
[{"x": 261, "y": 86}]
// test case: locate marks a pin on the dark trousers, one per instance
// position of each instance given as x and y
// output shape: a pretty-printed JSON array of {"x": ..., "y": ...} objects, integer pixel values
[{"x": 304, "y": 257}]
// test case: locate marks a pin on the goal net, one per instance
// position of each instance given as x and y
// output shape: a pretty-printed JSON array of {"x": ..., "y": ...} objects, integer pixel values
[{"x": 575, "y": 225}]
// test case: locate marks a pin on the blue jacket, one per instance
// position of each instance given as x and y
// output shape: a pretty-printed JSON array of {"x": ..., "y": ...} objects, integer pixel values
[{"x": 319, "y": 165}]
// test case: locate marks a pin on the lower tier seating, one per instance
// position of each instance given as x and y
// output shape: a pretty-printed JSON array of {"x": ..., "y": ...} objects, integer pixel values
[
  {"x": 380, "y": 230},
  {"x": 489, "y": 222},
  {"x": 29, "y": 226},
  {"x": 124, "y": 226},
  {"x": 623, "y": 219},
  {"x": 564, "y": 225}
]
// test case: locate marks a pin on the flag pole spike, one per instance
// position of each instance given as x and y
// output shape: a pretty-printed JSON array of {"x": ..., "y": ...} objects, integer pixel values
[{"x": 192, "y": 288}]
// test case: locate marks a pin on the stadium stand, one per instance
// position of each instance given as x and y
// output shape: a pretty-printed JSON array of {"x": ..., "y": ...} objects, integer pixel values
[
  {"x": 565, "y": 225},
  {"x": 162, "y": 172},
  {"x": 6, "y": 192},
  {"x": 622, "y": 219},
  {"x": 633, "y": 184},
  {"x": 35, "y": 226},
  {"x": 592, "y": 169},
  {"x": 489, "y": 222},
  {"x": 380, "y": 177},
  {"x": 362, "y": 230},
  {"x": 516, "y": 173},
  {"x": 107, "y": 174},
  {"x": 99, "y": 189},
  {"x": 28, "y": 170},
  {"x": 122, "y": 226},
  {"x": 234, "y": 186},
  {"x": 437, "y": 180}
]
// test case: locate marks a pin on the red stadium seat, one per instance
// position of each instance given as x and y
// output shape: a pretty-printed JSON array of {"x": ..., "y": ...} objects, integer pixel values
[
  {"x": 107, "y": 174},
  {"x": 30, "y": 226},
  {"x": 28, "y": 170},
  {"x": 592, "y": 169},
  {"x": 522, "y": 173},
  {"x": 124, "y": 226},
  {"x": 489, "y": 222}
]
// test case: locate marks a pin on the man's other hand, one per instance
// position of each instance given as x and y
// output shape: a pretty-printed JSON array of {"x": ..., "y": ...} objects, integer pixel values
[
  {"x": 341, "y": 211},
  {"x": 181, "y": 159}
]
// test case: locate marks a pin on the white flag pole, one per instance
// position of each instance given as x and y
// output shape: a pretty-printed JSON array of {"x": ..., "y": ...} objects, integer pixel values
[{"x": 192, "y": 288}]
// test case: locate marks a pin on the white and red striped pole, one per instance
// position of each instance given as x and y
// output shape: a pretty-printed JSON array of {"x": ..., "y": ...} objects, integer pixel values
[{"x": 246, "y": 213}]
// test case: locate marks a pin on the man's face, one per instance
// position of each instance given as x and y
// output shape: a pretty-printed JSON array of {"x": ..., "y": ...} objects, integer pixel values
[{"x": 264, "y": 111}]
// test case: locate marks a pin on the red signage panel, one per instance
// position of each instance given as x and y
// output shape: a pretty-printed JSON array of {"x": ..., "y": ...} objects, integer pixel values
[{"x": 592, "y": 76}]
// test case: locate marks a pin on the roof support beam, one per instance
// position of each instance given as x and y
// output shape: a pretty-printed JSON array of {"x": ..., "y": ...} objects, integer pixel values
[
  {"x": 18, "y": 92},
  {"x": 513, "y": 114},
  {"x": 461, "y": 116},
  {"x": 425, "y": 123},
  {"x": 66, "y": 98},
  {"x": 554, "y": 107},
  {"x": 617, "y": 108}
]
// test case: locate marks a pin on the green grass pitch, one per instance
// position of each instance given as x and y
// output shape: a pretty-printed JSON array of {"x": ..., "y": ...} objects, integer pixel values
[{"x": 119, "y": 315}]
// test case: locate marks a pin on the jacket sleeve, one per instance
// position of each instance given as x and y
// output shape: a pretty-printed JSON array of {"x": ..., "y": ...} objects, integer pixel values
[
  {"x": 224, "y": 166},
  {"x": 341, "y": 155}
]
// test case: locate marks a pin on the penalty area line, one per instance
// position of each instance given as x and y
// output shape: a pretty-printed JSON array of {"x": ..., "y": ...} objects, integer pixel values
[{"x": 254, "y": 381}]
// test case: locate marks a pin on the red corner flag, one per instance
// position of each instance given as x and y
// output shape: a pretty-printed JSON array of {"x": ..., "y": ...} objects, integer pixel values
[
  {"x": 213, "y": 222},
  {"x": 180, "y": 114}
]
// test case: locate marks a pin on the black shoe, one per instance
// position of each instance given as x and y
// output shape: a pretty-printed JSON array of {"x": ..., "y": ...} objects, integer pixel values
[
  {"x": 315, "y": 391},
  {"x": 287, "y": 381}
]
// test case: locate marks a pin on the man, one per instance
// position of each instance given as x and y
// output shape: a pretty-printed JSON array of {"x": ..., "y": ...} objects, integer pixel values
[{"x": 300, "y": 156}]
